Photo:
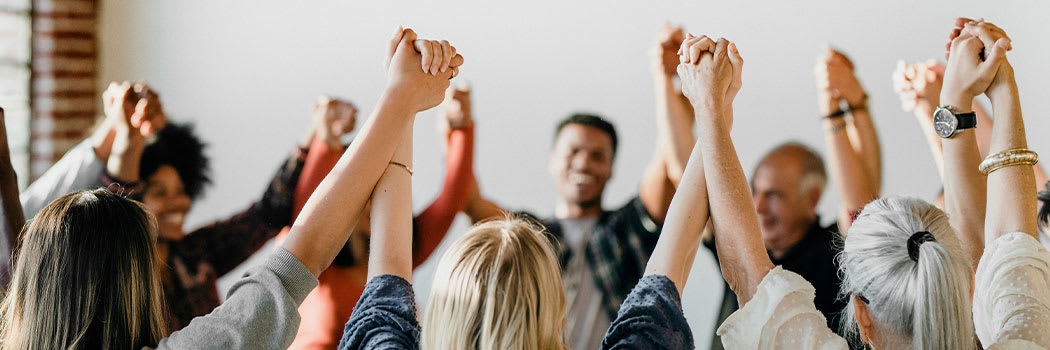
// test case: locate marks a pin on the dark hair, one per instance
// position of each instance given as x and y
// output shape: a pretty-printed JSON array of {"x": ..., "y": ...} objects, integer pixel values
[
  {"x": 591, "y": 120},
  {"x": 86, "y": 277},
  {"x": 176, "y": 145},
  {"x": 1044, "y": 212}
]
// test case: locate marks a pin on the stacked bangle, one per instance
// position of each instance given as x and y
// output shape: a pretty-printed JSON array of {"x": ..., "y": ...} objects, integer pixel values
[{"x": 1011, "y": 157}]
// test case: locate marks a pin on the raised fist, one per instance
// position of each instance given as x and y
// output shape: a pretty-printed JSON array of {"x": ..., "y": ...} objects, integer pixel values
[
  {"x": 710, "y": 72},
  {"x": 419, "y": 70},
  {"x": 918, "y": 84},
  {"x": 665, "y": 53},
  {"x": 333, "y": 118}
]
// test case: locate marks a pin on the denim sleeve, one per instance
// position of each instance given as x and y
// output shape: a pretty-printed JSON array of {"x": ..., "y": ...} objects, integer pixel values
[
  {"x": 384, "y": 318},
  {"x": 650, "y": 318}
]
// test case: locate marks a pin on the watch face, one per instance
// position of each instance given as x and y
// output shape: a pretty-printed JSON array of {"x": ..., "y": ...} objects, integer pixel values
[{"x": 944, "y": 122}]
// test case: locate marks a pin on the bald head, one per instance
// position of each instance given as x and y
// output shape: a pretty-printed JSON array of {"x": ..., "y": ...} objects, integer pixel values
[
  {"x": 805, "y": 164},
  {"x": 786, "y": 186}
]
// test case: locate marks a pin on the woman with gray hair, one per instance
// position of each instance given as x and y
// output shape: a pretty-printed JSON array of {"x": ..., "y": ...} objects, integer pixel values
[{"x": 907, "y": 272}]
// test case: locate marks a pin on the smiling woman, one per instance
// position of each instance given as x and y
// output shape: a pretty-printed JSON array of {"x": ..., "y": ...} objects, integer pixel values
[{"x": 175, "y": 171}]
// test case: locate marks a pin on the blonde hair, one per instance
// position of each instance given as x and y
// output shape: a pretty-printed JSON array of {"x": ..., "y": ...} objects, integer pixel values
[
  {"x": 85, "y": 277},
  {"x": 497, "y": 287},
  {"x": 922, "y": 303}
]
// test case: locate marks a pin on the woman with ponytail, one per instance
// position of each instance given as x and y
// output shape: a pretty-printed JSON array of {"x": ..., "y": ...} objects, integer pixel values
[{"x": 908, "y": 268}]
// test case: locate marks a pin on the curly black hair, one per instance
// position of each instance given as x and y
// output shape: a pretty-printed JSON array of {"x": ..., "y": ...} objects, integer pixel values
[
  {"x": 1044, "y": 212},
  {"x": 177, "y": 145}
]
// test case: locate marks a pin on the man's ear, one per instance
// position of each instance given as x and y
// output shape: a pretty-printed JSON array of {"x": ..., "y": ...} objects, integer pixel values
[{"x": 813, "y": 198}]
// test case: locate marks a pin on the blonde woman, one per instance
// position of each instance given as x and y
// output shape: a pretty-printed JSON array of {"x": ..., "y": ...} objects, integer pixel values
[{"x": 86, "y": 278}]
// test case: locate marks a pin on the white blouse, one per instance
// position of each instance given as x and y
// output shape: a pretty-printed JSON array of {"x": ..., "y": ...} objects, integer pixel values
[{"x": 1011, "y": 305}]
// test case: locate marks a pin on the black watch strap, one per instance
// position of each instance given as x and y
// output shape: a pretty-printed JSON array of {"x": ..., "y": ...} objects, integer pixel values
[{"x": 966, "y": 120}]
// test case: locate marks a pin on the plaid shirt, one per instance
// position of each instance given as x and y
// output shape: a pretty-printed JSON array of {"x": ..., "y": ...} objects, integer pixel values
[
  {"x": 620, "y": 246},
  {"x": 223, "y": 245}
]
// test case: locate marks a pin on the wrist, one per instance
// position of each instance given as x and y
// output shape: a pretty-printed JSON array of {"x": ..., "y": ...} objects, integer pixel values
[
  {"x": 827, "y": 103},
  {"x": 961, "y": 102}
]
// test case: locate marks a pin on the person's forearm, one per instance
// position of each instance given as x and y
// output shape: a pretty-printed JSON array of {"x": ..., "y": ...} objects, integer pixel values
[
  {"x": 434, "y": 222},
  {"x": 846, "y": 167},
  {"x": 741, "y": 253},
  {"x": 964, "y": 192},
  {"x": 328, "y": 217},
  {"x": 674, "y": 126},
  {"x": 924, "y": 115},
  {"x": 984, "y": 127},
  {"x": 686, "y": 218},
  {"x": 126, "y": 154},
  {"x": 865, "y": 140},
  {"x": 12, "y": 206},
  {"x": 102, "y": 139},
  {"x": 391, "y": 240},
  {"x": 1010, "y": 189}
]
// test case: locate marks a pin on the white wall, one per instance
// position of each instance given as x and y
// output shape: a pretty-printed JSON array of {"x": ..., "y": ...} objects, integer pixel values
[{"x": 247, "y": 72}]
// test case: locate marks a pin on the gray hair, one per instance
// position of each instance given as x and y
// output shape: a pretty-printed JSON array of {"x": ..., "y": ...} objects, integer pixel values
[{"x": 923, "y": 302}]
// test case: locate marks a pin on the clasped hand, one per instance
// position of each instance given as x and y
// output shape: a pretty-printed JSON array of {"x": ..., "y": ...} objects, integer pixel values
[
  {"x": 710, "y": 72},
  {"x": 419, "y": 70}
]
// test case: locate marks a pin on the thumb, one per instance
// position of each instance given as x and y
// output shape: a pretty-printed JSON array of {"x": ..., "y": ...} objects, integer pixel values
[
  {"x": 735, "y": 58},
  {"x": 995, "y": 57},
  {"x": 408, "y": 39}
]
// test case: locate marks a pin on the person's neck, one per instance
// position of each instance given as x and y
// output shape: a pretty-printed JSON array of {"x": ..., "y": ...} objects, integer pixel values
[
  {"x": 567, "y": 210},
  {"x": 783, "y": 248}
]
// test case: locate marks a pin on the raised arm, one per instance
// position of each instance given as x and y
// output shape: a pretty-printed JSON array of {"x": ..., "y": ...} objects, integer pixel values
[
  {"x": 329, "y": 215},
  {"x": 12, "y": 207},
  {"x": 456, "y": 124},
  {"x": 674, "y": 124},
  {"x": 1010, "y": 188},
  {"x": 964, "y": 185},
  {"x": 854, "y": 155}
]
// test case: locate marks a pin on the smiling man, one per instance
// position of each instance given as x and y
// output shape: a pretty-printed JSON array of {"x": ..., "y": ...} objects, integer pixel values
[{"x": 602, "y": 252}]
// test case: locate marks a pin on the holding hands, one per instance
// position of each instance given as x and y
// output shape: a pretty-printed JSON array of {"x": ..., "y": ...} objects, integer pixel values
[
  {"x": 419, "y": 70},
  {"x": 665, "y": 53},
  {"x": 836, "y": 82},
  {"x": 133, "y": 106},
  {"x": 710, "y": 72},
  {"x": 455, "y": 109},
  {"x": 976, "y": 52},
  {"x": 333, "y": 118},
  {"x": 919, "y": 84}
]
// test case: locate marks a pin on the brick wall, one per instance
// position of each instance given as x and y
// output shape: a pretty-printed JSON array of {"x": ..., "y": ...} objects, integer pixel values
[
  {"x": 15, "y": 34},
  {"x": 65, "y": 97}
]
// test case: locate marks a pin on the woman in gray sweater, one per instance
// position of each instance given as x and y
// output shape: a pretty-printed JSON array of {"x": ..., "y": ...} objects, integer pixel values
[{"x": 85, "y": 275}]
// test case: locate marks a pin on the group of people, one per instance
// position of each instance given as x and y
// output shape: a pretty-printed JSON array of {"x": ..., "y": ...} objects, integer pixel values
[{"x": 100, "y": 257}]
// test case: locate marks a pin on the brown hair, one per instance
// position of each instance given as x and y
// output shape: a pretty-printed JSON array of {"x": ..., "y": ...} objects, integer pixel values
[{"x": 85, "y": 277}]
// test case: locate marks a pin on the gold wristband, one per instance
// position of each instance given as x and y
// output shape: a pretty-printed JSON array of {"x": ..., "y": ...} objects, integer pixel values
[
  {"x": 409, "y": 170},
  {"x": 1011, "y": 157}
]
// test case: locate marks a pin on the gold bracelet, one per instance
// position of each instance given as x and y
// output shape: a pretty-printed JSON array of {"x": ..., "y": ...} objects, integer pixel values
[
  {"x": 409, "y": 170},
  {"x": 1011, "y": 157}
]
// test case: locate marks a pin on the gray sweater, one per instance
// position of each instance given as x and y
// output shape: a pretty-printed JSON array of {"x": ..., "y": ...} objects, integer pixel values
[{"x": 260, "y": 312}]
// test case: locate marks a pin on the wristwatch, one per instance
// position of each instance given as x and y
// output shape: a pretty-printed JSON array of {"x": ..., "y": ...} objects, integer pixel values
[{"x": 947, "y": 123}]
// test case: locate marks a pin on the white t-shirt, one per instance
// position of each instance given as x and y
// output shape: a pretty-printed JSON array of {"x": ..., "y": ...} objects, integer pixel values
[{"x": 586, "y": 321}]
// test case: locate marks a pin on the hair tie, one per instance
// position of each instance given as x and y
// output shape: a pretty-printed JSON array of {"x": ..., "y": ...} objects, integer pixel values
[{"x": 916, "y": 240}]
